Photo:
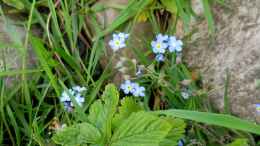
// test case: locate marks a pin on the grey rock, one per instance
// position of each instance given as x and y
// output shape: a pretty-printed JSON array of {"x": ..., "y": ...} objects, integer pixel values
[{"x": 236, "y": 47}]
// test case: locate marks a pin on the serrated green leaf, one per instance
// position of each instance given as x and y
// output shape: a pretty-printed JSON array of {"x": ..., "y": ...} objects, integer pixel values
[
  {"x": 102, "y": 111},
  {"x": 141, "y": 129},
  {"x": 128, "y": 106},
  {"x": 176, "y": 133},
  {"x": 77, "y": 134}
]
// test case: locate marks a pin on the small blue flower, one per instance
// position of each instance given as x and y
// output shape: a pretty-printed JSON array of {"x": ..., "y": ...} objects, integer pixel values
[
  {"x": 122, "y": 35},
  {"x": 159, "y": 46},
  {"x": 139, "y": 91},
  {"x": 127, "y": 87},
  {"x": 159, "y": 57},
  {"x": 118, "y": 41},
  {"x": 180, "y": 143},
  {"x": 174, "y": 44},
  {"x": 162, "y": 38},
  {"x": 257, "y": 108},
  {"x": 133, "y": 88},
  {"x": 79, "y": 89},
  {"x": 76, "y": 93}
]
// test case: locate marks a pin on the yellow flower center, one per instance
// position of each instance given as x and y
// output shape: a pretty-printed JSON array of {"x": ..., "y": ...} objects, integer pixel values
[
  {"x": 117, "y": 43},
  {"x": 158, "y": 45}
]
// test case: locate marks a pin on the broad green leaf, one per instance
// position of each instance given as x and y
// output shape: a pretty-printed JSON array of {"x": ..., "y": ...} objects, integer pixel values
[
  {"x": 18, "y": 4},
  {"x": 170, "y": 5},
  {"x": 239, "y": 142},
  {"x": 128, "y": 106},
  {"x": 176, "y": 133},
  {"x": 214, "y": 119},
  {"x": 102, "y": 111},
  {"x": 77, "y": 134},
  {"x": 141, "y": 129}
]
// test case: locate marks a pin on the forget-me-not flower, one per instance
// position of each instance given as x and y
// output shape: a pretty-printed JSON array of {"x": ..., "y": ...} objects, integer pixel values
[
  {"x": 127, "y": 87},
  {"x": 174, "y": 44},
  {"x": 133, "y": 88},
  {"x": 159, "y": 45},
  {"x": 76, "y": 93},
  {"x": 118, "y": 41},
  {"x": 139, "y": 91},
  {"x": 159, "y": 57}
]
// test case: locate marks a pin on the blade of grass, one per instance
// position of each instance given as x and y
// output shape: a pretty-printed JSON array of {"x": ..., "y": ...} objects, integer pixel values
[
  {"x": 133, "y": 8},
  {"x": 214, "y": 119},
  {"x": 208, "y": 15},
  {"x": 41, "y": 53},
  {"x": 226, "y": 98}
]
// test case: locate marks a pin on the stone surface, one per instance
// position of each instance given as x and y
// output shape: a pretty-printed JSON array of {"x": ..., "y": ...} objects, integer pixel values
[
  {"x": 10, "y": 56},
  {"x": 235, "y": 47}
]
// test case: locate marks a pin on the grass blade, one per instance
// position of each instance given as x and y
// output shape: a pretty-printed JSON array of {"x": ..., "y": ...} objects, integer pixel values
[{"x": 214, "y": 119}]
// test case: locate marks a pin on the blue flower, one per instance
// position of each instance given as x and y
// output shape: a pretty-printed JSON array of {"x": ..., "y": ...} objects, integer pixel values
[
  {"x": 127, "y": 87},
  {"x": 174, "y": 44},
  {"x": 122, "y": 35},
  {"x": 139, "y": 91},
  {"x": 133, "y": 88},
  {"x": 118, "y": 41},
  {"x": 257, "y": 106},
  {"x": 159, "y": 45},
  {"x": 159, "y": 57},
  {"x": 162, "y": 38},
  {"x": 180, "y": 143},
  {"x": 76, "y": 93}
]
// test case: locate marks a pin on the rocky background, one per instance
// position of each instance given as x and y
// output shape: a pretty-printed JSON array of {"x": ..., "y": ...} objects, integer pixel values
[{"x": 236, "y": 48}]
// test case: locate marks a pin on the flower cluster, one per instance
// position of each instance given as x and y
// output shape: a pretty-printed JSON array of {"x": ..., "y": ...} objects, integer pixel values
[
  {"x": 164, "y": 42},
  {"x": 76, "y": 93},
  {"x": 133, "y": 88},
  {"x": 118, "y": 41}
]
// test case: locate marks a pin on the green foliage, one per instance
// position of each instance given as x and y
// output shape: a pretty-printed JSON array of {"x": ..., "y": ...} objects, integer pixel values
[
  {"x": 78, "y": 134},
  {"x": 18, "y": 4},
  {"x": 239, "y": 142},
  {"x": 215, "y": 119},
  {"x": 132, "y": 125}
]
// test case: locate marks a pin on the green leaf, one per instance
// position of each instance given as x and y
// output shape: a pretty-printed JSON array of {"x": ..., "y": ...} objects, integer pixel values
[
  {"x": 176, "y": 133},
  {"x": 170, "y": 5},
  {"x": 208, "y": 15},
  {"x": 45, "y": 59},
  {"x": 214, "y": 119},
  {"x": 141, "y": 129},
  {"x": 133, "y": 8},
  {"x": 102, "y": 111},
  {"x": 128, "y": 106},
  {"x": 77, "y": 134},
  {"x": 239, "y": 142},
  {"x": 18, "y": 4}
]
